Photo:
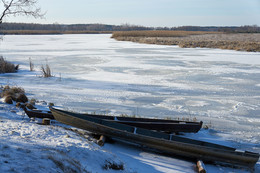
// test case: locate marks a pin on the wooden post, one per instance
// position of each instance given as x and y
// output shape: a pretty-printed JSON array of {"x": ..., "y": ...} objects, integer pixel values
[
  {"x": 201, "y": 167},
  {"x": 46, "y": 121},
  {"x": 101, "y": 140}
]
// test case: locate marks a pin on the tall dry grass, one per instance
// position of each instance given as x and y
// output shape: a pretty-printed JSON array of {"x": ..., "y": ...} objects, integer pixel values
[
  {"x": 31, "y": 64},
  {"x": 158, "y": 33},
  {"x": 190, "y": 39},
  {"x": 46, "y": 71}
]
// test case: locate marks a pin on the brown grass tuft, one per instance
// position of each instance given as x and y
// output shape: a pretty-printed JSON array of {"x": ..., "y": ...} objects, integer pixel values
[
  {"x": 17, "y": 90},
  {"x": 13, "y": 93},
  {"x": 46, "y": 71},
  {"x": 7, "y": 67}
]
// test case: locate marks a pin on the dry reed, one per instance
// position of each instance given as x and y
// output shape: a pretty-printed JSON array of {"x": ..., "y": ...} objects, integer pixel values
[
  {"x": 158, "y": 33},
  {"x": 31, "y": 64},
  {"x": 241, "y": 42},
  {"x": 46, "y": 71}
]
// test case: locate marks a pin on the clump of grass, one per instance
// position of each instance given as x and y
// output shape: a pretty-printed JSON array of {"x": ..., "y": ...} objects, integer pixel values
[
  {"x": 13, "y": 94},
  {"x": 46, "y": 71},
  {"x": 13, "y": 91},
  {"x": 7, "y": 67}
]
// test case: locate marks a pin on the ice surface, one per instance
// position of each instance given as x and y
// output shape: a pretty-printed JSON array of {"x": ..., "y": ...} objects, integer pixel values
[{"x": 94, "y": 73}]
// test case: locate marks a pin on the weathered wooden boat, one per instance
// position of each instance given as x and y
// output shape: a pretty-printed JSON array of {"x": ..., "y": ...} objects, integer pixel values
[
  {"x": 168, "y": 143},
  {"x": 168, "y": 126},
  {"x": 35, "y": 113}
]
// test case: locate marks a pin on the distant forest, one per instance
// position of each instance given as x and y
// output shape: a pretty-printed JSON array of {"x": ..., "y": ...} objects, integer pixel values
[{"x": 25, "y": 28}]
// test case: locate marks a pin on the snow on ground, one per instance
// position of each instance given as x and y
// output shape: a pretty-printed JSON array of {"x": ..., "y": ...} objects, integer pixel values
[{"x": 26, "y": 146}]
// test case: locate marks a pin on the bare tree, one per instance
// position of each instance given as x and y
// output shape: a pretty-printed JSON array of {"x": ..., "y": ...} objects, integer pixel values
[{"x": 20, "y": 7}]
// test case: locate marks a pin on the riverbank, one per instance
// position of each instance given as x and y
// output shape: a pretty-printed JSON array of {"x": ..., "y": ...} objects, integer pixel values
[{"x": 239, "y": 41}]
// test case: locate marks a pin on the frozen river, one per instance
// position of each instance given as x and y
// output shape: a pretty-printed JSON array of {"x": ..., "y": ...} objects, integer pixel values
[{"x": 94, "y": 73}]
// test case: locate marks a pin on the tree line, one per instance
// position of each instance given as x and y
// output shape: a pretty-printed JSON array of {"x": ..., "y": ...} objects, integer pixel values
[{"x": 125, "y": 27}]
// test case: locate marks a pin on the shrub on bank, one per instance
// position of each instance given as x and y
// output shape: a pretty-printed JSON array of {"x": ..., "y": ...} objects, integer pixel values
[
  {"x": 7, "y": 67},
  {"x": 11, "y": 94}
]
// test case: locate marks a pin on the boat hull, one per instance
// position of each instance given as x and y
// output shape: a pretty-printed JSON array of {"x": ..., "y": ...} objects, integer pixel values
[
  {"x": 166, "y": 143},
  {"x": 168, "y": 126}
]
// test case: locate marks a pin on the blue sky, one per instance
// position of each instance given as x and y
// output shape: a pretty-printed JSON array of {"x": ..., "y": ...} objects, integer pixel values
[{"x": 155, "y": 13}]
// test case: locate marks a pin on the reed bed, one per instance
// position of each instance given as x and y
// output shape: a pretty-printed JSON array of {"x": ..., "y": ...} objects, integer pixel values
[
  {"x": 190, "y": 39},
  {"x": 158, "y": 33}
]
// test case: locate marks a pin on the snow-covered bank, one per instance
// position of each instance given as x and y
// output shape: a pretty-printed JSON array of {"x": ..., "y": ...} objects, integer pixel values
[{"x": 26, "y": 146}]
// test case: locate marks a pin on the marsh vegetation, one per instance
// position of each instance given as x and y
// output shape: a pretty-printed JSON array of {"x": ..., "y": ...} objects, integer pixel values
[{"x": 192, "y": 39}]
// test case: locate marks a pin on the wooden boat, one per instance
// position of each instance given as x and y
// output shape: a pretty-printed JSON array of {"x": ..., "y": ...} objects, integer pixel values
[
  {"x": 168, "y": 143},
  {"x": 168, "y": 126},
  {"x": 35, "y": 113}
]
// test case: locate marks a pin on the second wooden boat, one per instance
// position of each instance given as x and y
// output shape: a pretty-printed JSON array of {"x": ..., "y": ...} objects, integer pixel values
[{"x": 168, "y": 126}]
